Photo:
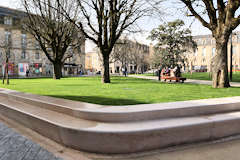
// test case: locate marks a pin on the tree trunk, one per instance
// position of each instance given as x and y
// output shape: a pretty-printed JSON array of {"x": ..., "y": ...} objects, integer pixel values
[
  {"x": 57, "y": 70},
  {"x": 7, "y": 76},
  {"x": 220, "y": 64},
  {"x": 137, "y": 69},
  {"x": 4, "y": 73},
  {"x": 105, "y": 70}
]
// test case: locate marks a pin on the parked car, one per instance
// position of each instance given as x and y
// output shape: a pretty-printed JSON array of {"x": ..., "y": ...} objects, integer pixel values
[{"x": 200, "y": 68}]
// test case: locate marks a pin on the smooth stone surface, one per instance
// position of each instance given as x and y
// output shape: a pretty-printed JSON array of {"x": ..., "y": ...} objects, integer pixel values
[
  {"x": 178, "y": 123},
  {"x": 117, "y": 137},
  {"x": 127, "y": 113}
]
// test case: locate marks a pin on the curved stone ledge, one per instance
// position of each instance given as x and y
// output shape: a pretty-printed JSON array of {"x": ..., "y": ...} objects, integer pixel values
[
  {"x": 128, "y": 137},
  {"x": 127, "y": 113},
  {"x": 73, "y": 123}
]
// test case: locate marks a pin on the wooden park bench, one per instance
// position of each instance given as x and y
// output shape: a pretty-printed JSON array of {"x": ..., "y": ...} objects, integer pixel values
[
  {"x": 177, "y": 79},
  {"x": 172, "y": 77}
]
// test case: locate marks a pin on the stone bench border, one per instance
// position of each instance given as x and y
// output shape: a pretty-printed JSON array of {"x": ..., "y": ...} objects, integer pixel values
[
  {"x": 185, "y": 123},
  {"x": 108, "y": 139},
  {"x": 130, "y": 112}
]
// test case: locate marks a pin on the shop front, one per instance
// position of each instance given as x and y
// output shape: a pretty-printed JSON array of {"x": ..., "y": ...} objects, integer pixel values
[
  {"x": 36, "y": 69},
  {"x": 10, "y": 69},
  {"x": 71, "y": 69},
  {"x": 22, "y": 69}
]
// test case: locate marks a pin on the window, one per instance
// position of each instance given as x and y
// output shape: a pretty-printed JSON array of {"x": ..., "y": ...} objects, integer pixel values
[
  {"x": 8, "y": 20},
  {"x": 197, "y": 41},
  {"x": 238, "y": 38},
  {"x": 37, "y": 45},
  {"x": 208, "y": 41},
  {"x": 24, "y": 40},
  {"x": 196, "y": 52},
  {"x": 70, "y": 50},
  {"x": 8, "y": 54},
  {"x": 79, "y": 49},
  {"x": 49, "y": 49},
  {"x": 7, "y": 37},
  {"x": 37, "y": 55},
  {"x": 203, "y": 42},
  {"x": 213, "y": 51},
  {"x": 23, "y": 55},
  {"x": 204, "y": 52},
  {"x": 204, "y": 60},
  {"x": 234, "y": 38},
  {"x": 234, "y": 50},
  {"x": 212, "y": 41}
]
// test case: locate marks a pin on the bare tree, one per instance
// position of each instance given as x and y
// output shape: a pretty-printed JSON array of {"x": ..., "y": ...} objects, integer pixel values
[
  {"x": 221, "y": 18},
  {"x": 57, "y": 37},
  {"x": 138, "y": 56},
  {"x": 103, "y": 22},
  {"x": 7, "y": 46},
  {"x": 129, "y": 52},
  {"x": 121, "y": 53}
]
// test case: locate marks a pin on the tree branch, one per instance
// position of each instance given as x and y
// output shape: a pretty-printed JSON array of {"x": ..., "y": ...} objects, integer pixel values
[{"x": 188, "y": 3}]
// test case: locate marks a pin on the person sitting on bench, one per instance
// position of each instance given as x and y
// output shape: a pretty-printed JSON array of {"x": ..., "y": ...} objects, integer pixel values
[
  {"x": 177, "y": 71},
  {"x": 166, "y": 71}
]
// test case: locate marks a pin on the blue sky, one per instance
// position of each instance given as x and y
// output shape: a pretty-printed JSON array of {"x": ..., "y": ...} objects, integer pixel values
[{"x": 171, "y": 8}]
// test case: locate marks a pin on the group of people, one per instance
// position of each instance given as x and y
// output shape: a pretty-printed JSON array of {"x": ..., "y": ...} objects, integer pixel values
[
  {"x": 38, "y": 72},
  {"x": 175, "y": 72}
]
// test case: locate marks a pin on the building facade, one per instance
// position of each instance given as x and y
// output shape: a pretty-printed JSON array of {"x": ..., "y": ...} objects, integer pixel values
[
  {"x": 24, "y": 51},
  {"x": 200, "y": 59},
  {"x": 136, "y": 59},
  {"x": 93, "y": 61}
]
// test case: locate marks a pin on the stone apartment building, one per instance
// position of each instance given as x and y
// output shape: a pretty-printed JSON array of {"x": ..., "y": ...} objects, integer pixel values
[
  {"x": 201, "y": 58},
  {"x": 93, "y": 61},
  {"x": 25, "y": 52}
]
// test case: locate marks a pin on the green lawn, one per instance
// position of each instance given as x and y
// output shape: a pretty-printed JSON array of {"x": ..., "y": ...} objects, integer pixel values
[
  {"x": 201, "y": 76},
  {"x": 148, "y": 74},
  {"x": 206, "y": 76},
  {"x": 198, "y": 75},
  {"x": 122, "y": 91}
]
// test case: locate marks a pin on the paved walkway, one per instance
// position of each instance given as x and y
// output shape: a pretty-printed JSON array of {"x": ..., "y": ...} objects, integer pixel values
[
  {"x": 16, "y": 147},
  {"x": 214, "y": 151},
  {"x": 194, "y": 81}
]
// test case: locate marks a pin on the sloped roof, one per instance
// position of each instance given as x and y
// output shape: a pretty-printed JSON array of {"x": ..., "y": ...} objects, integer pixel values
[{"x": 5, "y": 11}]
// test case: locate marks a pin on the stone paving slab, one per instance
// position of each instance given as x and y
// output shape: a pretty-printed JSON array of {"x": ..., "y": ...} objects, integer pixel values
[
  {"x": 14, "y": 146},
  {"x": 224, "y": 149}
]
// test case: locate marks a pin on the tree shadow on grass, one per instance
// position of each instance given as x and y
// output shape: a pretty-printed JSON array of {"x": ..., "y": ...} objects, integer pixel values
[
  {"x": 100, "y": 100},
  {"x": 74, "y": 85},
  {"x": 128, "y": 81}
]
